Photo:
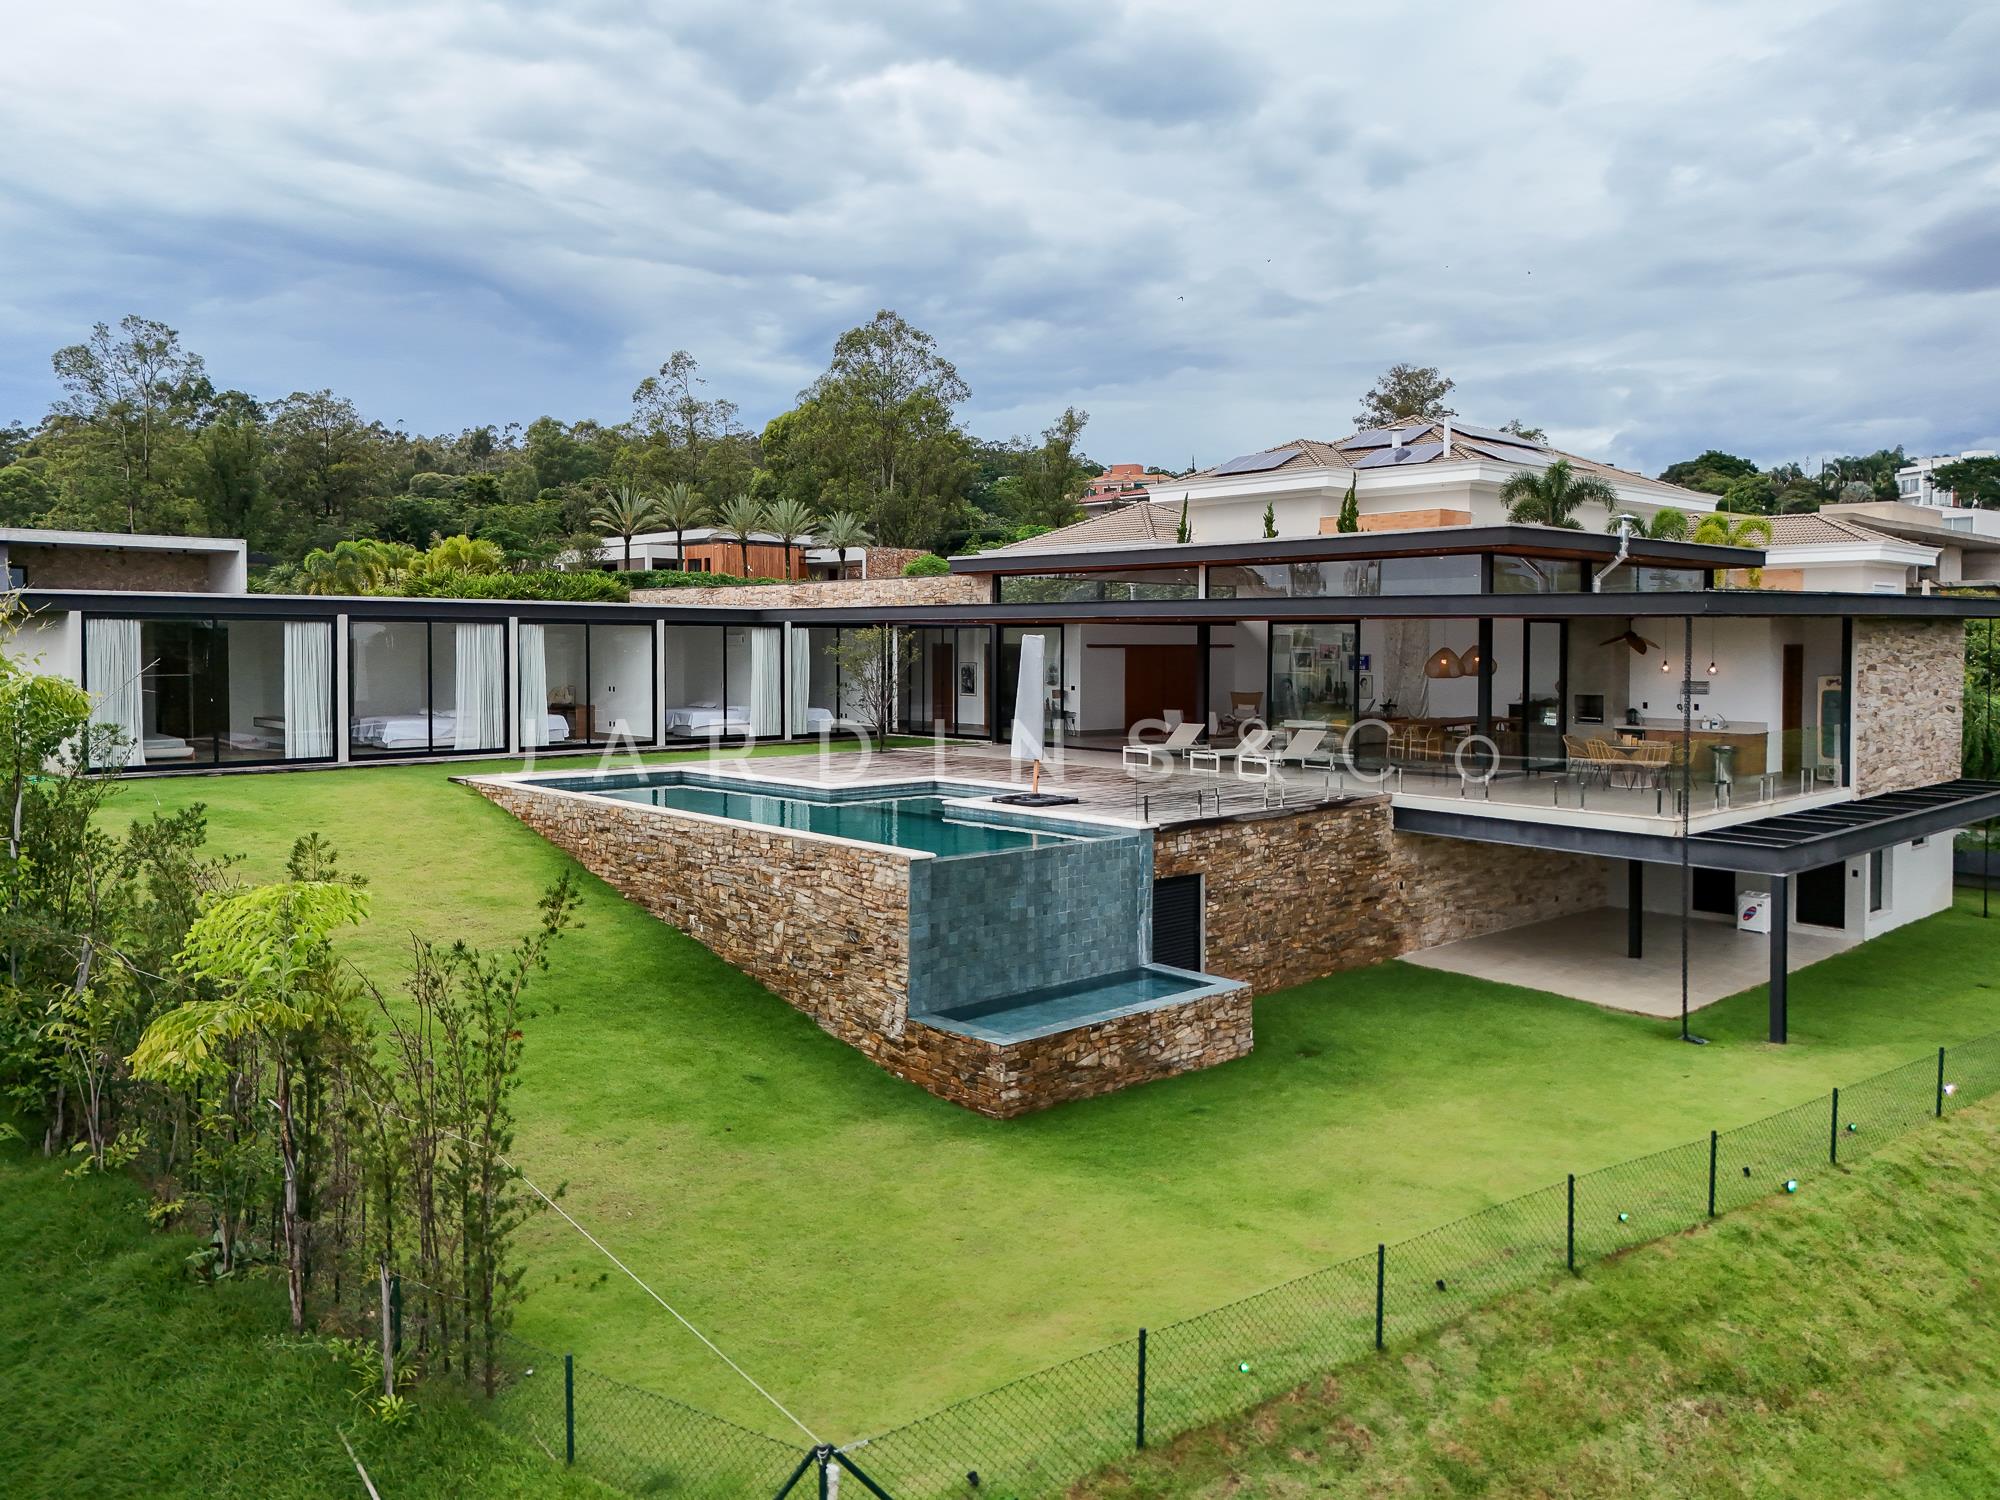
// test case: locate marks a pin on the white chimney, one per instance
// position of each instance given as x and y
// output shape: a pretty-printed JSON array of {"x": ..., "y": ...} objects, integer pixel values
[
  {"x": 1447, "y": 437},
  {"x": 1396, "y": 436}
]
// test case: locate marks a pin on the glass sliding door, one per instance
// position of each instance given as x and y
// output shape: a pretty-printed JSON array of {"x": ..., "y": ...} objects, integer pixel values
[
  {"x": 1543, "y": 707},
  {"x": 620, "y": 675},
  {"x": 1314, "y": 673},
  {"x": 697, "y": 706},
  {"x": 1007, "y": 689},
  {"x": 207, "y": 691},
  {"x": 426, "y": 686}
]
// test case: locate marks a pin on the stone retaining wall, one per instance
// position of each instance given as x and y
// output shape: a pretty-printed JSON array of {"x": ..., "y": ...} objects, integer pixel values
[
  {"x": 1906, "y": 704},
  {"x": 1455, "y": 888},
  {"x": 1025, "y": 1076},
  {"x": 827, "y": 593}
]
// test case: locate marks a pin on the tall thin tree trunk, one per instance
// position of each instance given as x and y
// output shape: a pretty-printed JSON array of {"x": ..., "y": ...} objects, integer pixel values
[{"x": 288, "y": 1150}]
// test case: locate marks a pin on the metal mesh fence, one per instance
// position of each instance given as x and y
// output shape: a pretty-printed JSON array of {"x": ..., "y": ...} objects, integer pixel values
[{"x": 1037, "y": 1435}]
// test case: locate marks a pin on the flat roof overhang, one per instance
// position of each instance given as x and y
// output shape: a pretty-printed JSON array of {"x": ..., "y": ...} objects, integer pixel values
[
  {"x": 1704, "y": 604},
  {"x": 1782, "y": 844},
  {"x": 1518, "y": 541}
]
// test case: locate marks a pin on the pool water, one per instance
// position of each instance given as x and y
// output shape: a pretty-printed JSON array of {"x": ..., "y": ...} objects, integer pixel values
[
  {"x": 1015, "y": 1018},
  {"x": 901, "y": 821}
]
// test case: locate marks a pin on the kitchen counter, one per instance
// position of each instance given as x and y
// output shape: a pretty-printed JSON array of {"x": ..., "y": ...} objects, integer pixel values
[{"x": 1751, "y": 739}]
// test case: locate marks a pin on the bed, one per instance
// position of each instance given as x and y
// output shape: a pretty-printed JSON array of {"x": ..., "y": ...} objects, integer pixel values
[
  {"x": 706, "y": 720},
  {"x": 159, "y": 747},
  {"x": 419, "y": 731}
]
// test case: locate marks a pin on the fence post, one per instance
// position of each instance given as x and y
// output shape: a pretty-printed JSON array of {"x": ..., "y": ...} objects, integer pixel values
[
  {"x": 1711, "y": 1174},
  {"x": 1381, "y": 1264},
  {"x": 1572, "y": 1223},
  {"x": 569, "y": 1408},
  {"x": 1940, "y": 1085},
  {"x": 1833, "y": 1133},
  {"x": 1142, "y": 1387}
]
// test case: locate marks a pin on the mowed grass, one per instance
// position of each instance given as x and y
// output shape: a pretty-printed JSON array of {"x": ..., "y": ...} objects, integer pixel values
[
  {"x": 871, "y": 1253},
  {"x": 1836, "y": 1343},
  {"x": 120, "y": 1377}
]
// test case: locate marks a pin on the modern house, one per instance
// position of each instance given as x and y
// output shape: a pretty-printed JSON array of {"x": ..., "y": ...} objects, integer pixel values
[
  {"x": 1456, "y": 728},
  {"x": 1121, "y": 484},
  {"x": 1915, "y": 484}
]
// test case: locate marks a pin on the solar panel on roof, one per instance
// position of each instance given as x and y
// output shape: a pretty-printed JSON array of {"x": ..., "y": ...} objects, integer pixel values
[
  {"x": 1257, "y": 463},
  {"x": 1494, "y": 435},
  {"x": 1387, "y": 458},
  {"x": 1505, "y": 455},
  {"x": 1374, "y": 437}
]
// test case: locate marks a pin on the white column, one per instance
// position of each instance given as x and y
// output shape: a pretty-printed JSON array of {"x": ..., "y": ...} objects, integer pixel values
[
  {"x": 512, "y": 685},
  {"x": 343, "y": 692}
]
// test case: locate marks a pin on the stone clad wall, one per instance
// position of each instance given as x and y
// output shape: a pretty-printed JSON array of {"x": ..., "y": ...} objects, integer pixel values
[
  {"x": 1292, "y": 896},
  {"x": 111, "y": 568},
  {"x": 1025, "y": 1076},
  {"x": 825, "y": 925},
  {"x": 826, "y": 593},
  {"x": 1906, "y": 704}
]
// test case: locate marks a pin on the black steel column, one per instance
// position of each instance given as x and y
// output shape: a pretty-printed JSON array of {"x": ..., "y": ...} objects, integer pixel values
[
  {"x": 1635, "y": 908},
  {"x": 1201, "y": 648},
  {"x": 1485, "y": 674},
  {"x": 1781, "y": 933},
  {"x": 993, "y": 683}
]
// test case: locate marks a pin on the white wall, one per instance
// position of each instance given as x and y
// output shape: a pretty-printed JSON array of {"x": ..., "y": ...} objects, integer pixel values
[
  {"x": 1919, "y": 884},
  {"x": 48, "y": 643},
  {"x": 621, "y": 686},
  {"x": 1098, "y": 670},
  {"x": 693, "y": 665}
]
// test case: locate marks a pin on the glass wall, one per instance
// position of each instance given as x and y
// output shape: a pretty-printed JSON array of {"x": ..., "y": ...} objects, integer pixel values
[
  {"x": 1091, "y": 588},
  {"x": 212, "y": 692},
  {"x": 420, "y": 686},
  {"x": 586, "y": 684},
  {"x": 1631, "y": 579},
  {"x": 1354, "y": 578},
  {"x": 1315, "y": 673},
  {"x": 812, "y": 699},
  {"x": 1538, "y": 575},
  {"x": 943, "y": 679},
  {"x": 725, "y": 681}
]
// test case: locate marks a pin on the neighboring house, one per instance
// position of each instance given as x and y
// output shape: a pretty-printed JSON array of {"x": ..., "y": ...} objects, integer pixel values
[
  {"x": 1916, "y": 486},
  {"x": 1820, "y": 550},
  {"x": 1415, "y": 474},
  {"x": 1121, "y": 484},
  {"x": 37, "y": 558},
  {"x": 709, "y": 550},
  {"x": 1967, "y": 541}
]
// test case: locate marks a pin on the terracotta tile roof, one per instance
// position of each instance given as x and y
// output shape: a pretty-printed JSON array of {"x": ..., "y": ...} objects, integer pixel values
[
  {"x": 1128, "y": 526},
  {"x": 1811, "y": 529}
]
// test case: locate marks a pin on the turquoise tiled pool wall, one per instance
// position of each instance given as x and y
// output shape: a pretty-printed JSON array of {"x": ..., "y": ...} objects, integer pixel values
[{"x": 1003, "y": 924}]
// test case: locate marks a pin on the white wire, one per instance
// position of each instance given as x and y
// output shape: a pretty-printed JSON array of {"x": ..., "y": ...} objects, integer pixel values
[{"x": 749, "y": 1379}]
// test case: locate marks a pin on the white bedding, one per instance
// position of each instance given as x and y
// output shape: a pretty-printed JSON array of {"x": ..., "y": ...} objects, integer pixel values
[
  {"x": 167, "y": 747},
  {"x": 421, "y": 731},
  {"x": 707, "y": 719}
]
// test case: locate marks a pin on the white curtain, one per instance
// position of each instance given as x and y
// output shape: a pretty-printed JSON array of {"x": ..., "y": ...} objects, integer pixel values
[
  {"x": 481, "y": 709},
  {"x": 798, "y": 673},
  {"x": 117, "y": 695},
  {"x": 767, "y": 703},
  {"x": 308, "y": 690},
  {"x": 534, "y": 687}
]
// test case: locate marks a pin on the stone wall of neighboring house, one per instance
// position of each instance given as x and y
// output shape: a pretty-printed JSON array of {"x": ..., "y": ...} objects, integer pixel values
[
  {"x": 827, "y": 593},
  {"x": 1906, "y": 704},
  {"x": 1100, "y": 1059},
  {"x": 882, "y": 562},
  {"x": 1454, "y": 888},
  {"x": 131, "y": 569},
  {"x": 1292, "y": 896},
  {"x": 1404, "y": 520}
]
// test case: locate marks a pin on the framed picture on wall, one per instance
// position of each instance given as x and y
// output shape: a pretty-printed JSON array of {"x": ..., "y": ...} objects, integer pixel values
[
  {"x": 1365, "y": 687},
  {"x": 968, "y": 680}
]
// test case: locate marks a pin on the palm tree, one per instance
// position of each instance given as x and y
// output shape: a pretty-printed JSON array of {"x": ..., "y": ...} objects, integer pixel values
[
  {"x": 1741, "y": 531},
  {"x": 359, "y": 565},
  {"x": 626, "y": 513},
  {"x": 463, "y": 554},
  {"x": 741, "y": 517},
  {"x": 841, "y": 530},
  {"x": 1552, "y": 497},
  {"x": 680, "y": 507},
  {"x": 1668, "y": 525},
  {"x": 793, "y": 520}
]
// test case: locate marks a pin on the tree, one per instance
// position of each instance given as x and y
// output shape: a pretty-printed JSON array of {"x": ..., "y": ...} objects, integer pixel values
[
  {"x": 1668, "y": 525},
  {"x": 1183, "y": 532},
  {"x": 365, "y": 566},
  {"x": 226, "y": 475},
  {"x": 1350, "y": 510},
  {"x": 461, "y": 554},
  {"x": 1712, "y": 472},
  {"x": 325, "y": 457},
  {"x": 1973, "y": 482},
  {"x": 267, "y": 953},
  {"x": 741, "y": 518},
  {"x": 1404, "y": 393},
  {"x": 865, "y": 661},
  {"x": 842, "y": 530},
  {"x": 1270, "y": 519},
  {"x": 625, "y": 513},
  {"x": 681, "y": 505},
  {"x": 1051, "y": 479},
  {"x": 135, "y": 388},
  {"x": 685, "y": 436},
  {"x": 1741, "y": 531},
  {"x": 1521, "y": 430},
  {"x": 792, "y": 521},
  {"x": 1554, "y": 495}
]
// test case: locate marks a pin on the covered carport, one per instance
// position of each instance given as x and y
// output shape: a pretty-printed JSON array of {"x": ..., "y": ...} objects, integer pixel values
[{"x": 1778, "y": 850}]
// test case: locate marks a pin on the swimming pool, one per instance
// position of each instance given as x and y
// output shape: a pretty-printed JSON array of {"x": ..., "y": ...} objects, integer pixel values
[{"x": 913, "y": 817}]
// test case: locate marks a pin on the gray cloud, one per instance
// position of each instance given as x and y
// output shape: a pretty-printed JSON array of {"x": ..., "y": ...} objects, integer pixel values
[{"x": 1650, "y": 229}]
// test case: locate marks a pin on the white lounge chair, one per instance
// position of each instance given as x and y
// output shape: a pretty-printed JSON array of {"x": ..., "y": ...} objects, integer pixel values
[
  {"x": 1300, "y": 749},
  {"x": 1141, "y": 756},
  {"x": 1210, "y": 757}
]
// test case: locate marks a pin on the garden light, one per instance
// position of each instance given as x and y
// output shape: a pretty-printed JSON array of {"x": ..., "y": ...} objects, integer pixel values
[
  {"x": 1791, "y": 1184},
  {"x": 1624, "y": 1218},
  {"x": 1243, "y": 1367},
  {"x": 1950, "y": 1089}
]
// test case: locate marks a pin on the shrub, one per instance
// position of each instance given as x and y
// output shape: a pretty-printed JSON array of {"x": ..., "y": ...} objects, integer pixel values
[
  {"x": 669, "y": 578},
  {"x": 930, "y": 565},
  {"x": 576, "y": 588}
]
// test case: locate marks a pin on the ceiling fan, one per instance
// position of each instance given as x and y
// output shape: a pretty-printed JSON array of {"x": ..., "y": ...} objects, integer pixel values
[{"x": 1639, "y": 644}]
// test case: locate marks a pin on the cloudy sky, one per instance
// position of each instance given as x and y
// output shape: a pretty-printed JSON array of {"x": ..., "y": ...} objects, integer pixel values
[{"x": 1648, "y": 228}]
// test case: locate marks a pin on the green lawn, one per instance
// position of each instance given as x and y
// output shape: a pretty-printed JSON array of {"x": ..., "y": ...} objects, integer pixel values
[
  {"x": 1837, "y": 1343},
  {"x": 871, "y": 1252},
  {"x": 122, "y": 1378}
]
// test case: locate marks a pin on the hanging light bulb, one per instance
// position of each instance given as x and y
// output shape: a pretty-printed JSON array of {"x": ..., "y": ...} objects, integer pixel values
[
  {"x": 1711, "y": 666},
  {"x": 1666, "y": 664}
]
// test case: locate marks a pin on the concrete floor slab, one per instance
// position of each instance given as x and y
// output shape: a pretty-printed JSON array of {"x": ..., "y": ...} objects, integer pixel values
[{"x": 1583, "y": 957}]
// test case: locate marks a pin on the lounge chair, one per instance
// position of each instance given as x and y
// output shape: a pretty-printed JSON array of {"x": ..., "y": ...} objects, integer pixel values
[
  {"x": 1302, "y": 747},
  {"x": 1141, "y": 756},
  {"x": 1211, "y": 757}
]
